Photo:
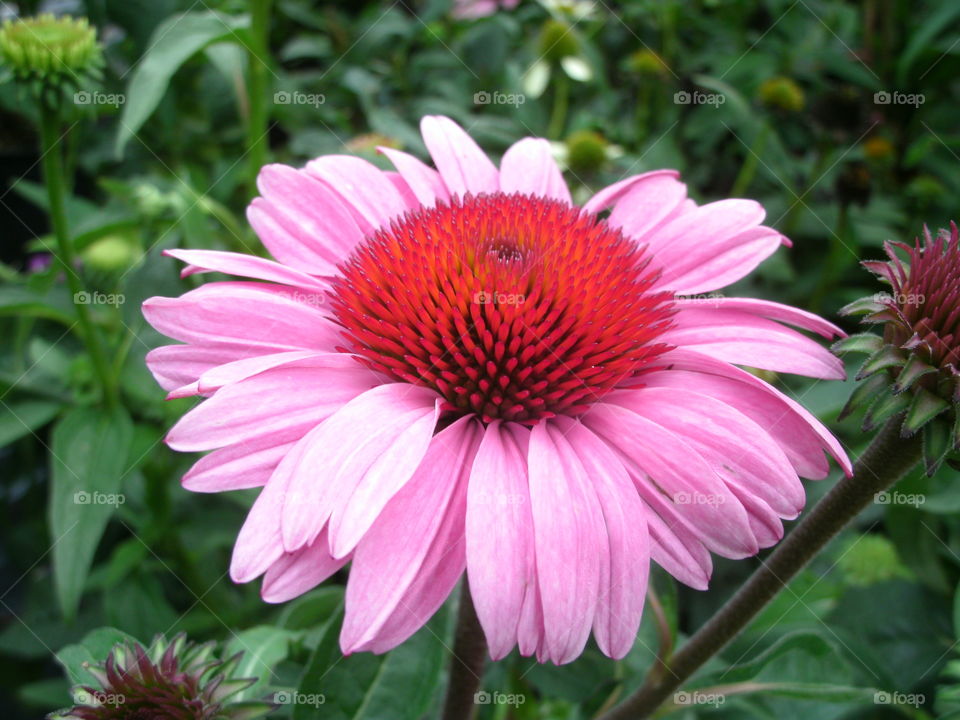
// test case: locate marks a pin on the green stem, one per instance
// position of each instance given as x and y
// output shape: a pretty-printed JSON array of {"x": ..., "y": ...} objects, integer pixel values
[
  {"x": 466, "y": 666},
  {"x": 749, "y": 168},
  {"x": 888, "y": 458},
  {"x": 258, "y": 62},
  {"x": 561, "y": 99},
  {"x": 52, "y": 158}
]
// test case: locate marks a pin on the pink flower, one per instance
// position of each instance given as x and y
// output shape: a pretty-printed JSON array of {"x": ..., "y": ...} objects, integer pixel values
[
  {"x": 457, "y": 369},
  {"x": 469, "y": 9}
]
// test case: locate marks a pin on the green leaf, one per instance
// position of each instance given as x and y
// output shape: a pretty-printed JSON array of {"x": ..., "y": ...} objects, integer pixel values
[
  {"x": 804, "y": 641},
  {"x": 924, "y": 408},
  {"x": 363, "y": 686},
  {"x": 922, "y": 39},
  {"x": 956, "y": 612},
  {"x": 886, "y": 406},
  {"x": 913, "y": 370},
  {"x": 173, "y": 43},
  {"x": 21, "y": 418},
  {"x": 88, "y": 457},
  {"x": 52, "y": 304},
  {"x": 263, "y": 647},
  {"x": 862, "y": 343},
  {"x": 93, "y": 649},
  {"x": 937, "y": 441},
  {"x": 864, "y": 393},
  {"x": 885, "y": 357}
]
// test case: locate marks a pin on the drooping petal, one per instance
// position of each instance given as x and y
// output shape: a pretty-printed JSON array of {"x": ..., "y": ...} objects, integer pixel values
[
  {"x": 259, "y": 544},
  {"x": 270, "y": 317},
  {"x": 293, "y": 574},
  {"x": 392, "y": 554},
  {"x": 351, "y": 465},
  {"x": 611, "y": 194},
  {"x": 723, "y": 262},
  {"x": 236, "y": 467},
  {"x": 623, "y": 578},
  {"x": 464, "y": 167},
  {"x": 423, "y": 181},
  {"x": 300, "y": 398},
  {"x": 528, "y": 167},
  {"x": 646, "y": 203},
  {"x": 362, "y": 187},
  {"x": 568, "y": 539},
  {"x": 250, "y": 266},
  {"x": 499, "y": 530},
  {"x": 174, "y": 366}
]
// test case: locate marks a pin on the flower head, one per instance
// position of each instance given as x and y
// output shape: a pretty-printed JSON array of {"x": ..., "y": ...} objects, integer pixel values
[
  {"x": 52, "y": 52},
  {"x": 914, "y": 367},
  {"x": 176, "y": 680},
  {"x": 456, "y": 369}
]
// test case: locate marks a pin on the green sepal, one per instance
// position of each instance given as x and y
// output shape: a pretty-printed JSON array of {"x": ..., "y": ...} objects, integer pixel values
[
  {"x": 863, "y": 394},
  {"x": 885, "y": 357},
  {"x": 913, "y": 370},
  {"x": 886, "y": 405},
  {"x": 861, "y": 343},
  {"x": 937, "y": 439},
  {"x": 862, "y": 306},
  {"x": 924, "y": 408}
]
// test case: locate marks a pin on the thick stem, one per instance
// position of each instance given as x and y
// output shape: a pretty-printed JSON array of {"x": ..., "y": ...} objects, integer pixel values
[
  {"x": 466, "y": 666},
  {"x": 52, "y": 158},
  {"x": 561, "y": 101},
  {"x": 888, "y": 458},
  {"x": 258, "y": 62}
]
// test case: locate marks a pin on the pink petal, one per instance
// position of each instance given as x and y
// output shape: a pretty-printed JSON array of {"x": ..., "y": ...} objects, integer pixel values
[
  {"x": 236, "y": 467},
  {"x": 499, "y": 530},
  {"x": 347, "y": 468},
  {"x": 362, "y": 187},
  {"x": 623, "y": 581},
  {"x": 256, "y": 314},
  {"x": 251, "y": 266},
  {"x": 232, "y": 372},
  {"x": 285, "y": 402},
  {"x": 570, "y": 542},
  {"x": 259, "y": 544},
  {"x": 613, "y": 193},
  {"x": 678, "y": 550},
  {"x": 720, "y": 262},
  {"x": 409, "y": 199},
  {"x": 424, "y": 182},
  {"x": 464, "y": 167},
  {"x": 672, "y": 476},
  {"x": 528, "y": 167},
  {"x": 174, "y": 366},
  {"x": 648, "y": 202},
  {"x": 293, "y": 574},
  {"x": 802, "y": 436},
  {"x": 745, "y": 339},
  {"x": 392, "y": 554},
  {"x": 775, "y": 311}
]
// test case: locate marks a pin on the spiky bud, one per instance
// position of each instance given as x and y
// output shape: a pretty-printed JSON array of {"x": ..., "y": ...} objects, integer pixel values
[
  {"x": 586, "y": 151},
  {"x": 175, "y": 680},
  {"x": 914, "y": 366},
  {"x": 781, "y": 93}
]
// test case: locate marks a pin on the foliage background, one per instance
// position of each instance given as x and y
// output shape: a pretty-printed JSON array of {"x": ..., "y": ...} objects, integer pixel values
[{"x": 838, "y": 170}]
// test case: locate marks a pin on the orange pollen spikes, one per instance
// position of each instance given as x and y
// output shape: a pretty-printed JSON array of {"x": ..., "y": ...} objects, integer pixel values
[{"x": 510, "y": 306}]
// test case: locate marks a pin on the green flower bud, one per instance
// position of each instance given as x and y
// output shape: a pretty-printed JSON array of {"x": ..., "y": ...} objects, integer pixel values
[
  {"x": 586, "y": 151},
  {"x": 646, "y": 63},
  {"x": 50, "y": 52},
  {"x": 869, "y": 559},
  {"x": 557, "y": 41},
  {"x": 781, "y": 93}
]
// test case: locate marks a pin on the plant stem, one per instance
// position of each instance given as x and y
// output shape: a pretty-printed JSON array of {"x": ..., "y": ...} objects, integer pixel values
[
  {"x": 749, "y": 168},
  {"x": 466, "y": 666},
  {"x": 888, "y": 458},
  {"x": 258, "y": 62},
  {"x": 52, "y": 159},
  {"x": 561, "y": 99}
]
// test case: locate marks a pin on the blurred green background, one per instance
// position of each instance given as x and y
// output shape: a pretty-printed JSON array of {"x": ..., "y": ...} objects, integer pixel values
[{"x": 840, "y": 117}]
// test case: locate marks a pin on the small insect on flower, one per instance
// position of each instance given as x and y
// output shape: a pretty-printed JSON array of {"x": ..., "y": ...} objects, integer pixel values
[
  {"x": 458, "y": 370},
  {"x": 175, "y": 680},
  {"x": 914, "y": 366}
]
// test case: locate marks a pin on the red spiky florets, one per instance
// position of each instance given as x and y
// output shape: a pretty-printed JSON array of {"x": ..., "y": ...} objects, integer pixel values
[{"x": 511, "y": 306}]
